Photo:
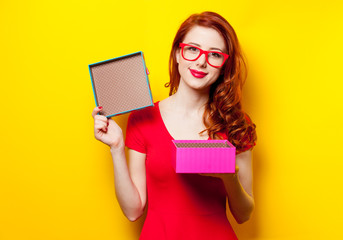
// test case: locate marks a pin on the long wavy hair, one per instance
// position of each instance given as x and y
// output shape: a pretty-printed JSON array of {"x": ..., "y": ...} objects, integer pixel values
[{"x": 223, "y": 111}]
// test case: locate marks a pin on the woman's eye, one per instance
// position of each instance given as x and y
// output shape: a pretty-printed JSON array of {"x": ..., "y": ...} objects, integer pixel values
[
  {"x": 215, "y": 55},
  {"x": 192, "y": 49}
]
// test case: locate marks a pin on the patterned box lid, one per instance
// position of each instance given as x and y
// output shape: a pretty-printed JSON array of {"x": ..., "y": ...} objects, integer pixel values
[{"x": 121, "y": 84}]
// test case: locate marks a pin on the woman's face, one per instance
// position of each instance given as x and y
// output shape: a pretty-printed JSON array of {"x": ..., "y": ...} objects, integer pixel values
[{"x": 199, "y": 74}]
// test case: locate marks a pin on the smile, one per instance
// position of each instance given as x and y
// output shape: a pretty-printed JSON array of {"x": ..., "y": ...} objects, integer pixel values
[{"x": 197, "y": 74}]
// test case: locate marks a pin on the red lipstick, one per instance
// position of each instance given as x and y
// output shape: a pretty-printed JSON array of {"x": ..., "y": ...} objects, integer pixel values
[{"x": 197, "y": 74}]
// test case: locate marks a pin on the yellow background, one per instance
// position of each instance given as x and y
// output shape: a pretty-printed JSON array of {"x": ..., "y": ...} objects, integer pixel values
[{"x": 56, "y": 180}]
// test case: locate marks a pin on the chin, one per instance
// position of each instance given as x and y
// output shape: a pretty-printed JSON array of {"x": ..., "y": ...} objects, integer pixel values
[
  {"x": 199, "y": 87},
  {"x": 199, "y": 84}
]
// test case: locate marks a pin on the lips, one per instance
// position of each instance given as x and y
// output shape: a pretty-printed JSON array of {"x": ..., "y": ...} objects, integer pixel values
[{"x": 197, "y": 74}]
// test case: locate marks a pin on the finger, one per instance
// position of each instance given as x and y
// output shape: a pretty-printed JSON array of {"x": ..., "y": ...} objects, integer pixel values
[
  {"x": 96, "y": 110},
  {"x": 111, "y": 122},
  {"x": 236, "y": 169},
  {"x": 207, "y": 174},
  {"x": 101, "y": 126},
  {"x": 100, "y": 118}
]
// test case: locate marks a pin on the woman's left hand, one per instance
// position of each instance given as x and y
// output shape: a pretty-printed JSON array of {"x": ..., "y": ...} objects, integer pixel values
[{"x": 223, "y": 176}]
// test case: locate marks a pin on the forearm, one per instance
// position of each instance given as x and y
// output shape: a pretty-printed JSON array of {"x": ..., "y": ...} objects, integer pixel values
[
  {"x": 240, "y": 202},
  {"x": 126, "y": 192}
]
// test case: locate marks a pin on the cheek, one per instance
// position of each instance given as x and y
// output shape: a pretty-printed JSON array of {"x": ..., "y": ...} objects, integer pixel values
[
  {"x": 183, "y": 64},
  {"x": 216, "y": 73},
  {"x": 214, "y": 76}
]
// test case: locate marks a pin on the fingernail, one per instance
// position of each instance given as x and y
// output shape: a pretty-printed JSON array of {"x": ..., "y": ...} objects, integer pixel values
[
  {"x": 147, "y": 71},
  {"x": 108, "y": 123},
  {"x": 106, "y": 130},
  {"x": 100, "y": 107}
]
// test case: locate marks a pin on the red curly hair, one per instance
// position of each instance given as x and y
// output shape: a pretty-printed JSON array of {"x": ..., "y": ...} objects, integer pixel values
[{"x": 223, "y": 112}]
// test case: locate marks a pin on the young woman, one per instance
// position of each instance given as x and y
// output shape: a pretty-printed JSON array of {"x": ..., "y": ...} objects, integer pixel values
[{"x": 207, "y": 73}]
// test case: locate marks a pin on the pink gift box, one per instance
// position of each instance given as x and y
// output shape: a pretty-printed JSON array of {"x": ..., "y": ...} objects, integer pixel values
[{"x": 203, "y": 156}]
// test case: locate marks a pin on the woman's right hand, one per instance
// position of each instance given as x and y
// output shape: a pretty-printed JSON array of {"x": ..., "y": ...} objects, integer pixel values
[{"x": 107, "y": 130}]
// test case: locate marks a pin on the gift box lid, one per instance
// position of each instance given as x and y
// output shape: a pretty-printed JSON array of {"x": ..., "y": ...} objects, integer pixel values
[{"x": 121, "y": 84}]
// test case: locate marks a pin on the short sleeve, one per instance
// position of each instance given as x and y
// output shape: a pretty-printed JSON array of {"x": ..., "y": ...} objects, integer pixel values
[
  {"x": 246, "y": 139},
  {"x": 134, "y": 138},
  {"x": 248, "y": 147}
]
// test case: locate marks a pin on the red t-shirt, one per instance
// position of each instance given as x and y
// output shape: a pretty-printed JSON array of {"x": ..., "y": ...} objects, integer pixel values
[{"x": 180, "y": 206}]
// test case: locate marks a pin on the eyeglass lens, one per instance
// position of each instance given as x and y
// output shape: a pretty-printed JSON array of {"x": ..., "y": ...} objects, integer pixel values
[{"x": 214, "y": 58}]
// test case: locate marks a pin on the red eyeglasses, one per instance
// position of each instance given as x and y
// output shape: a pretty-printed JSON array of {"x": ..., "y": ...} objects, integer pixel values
[{"x": 213, "y": 58}]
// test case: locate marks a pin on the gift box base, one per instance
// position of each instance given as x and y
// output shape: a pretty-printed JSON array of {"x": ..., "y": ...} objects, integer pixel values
[{"x": 203, "y": 156}]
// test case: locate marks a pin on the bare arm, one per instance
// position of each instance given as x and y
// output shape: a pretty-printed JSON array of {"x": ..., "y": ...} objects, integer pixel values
[
  {"x": 239, "y": 188},
  {"x": 130, "y": 181}
]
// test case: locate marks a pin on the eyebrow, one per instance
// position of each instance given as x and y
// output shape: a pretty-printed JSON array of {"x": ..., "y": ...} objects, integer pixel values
[{"x": 192, "y": 43}]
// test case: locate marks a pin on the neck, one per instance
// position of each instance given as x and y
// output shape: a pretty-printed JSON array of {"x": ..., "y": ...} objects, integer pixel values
[{"x": 189, "y": 100}]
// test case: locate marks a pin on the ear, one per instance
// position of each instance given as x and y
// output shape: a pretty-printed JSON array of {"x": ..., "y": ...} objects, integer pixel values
[{"x": 177, "y": 55}]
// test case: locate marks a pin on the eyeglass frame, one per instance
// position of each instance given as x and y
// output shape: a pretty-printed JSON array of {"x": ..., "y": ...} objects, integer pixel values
[{"x": 182, "y": 45}]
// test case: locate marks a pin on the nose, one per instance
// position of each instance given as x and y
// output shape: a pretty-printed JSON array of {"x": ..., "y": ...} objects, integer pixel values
[{"x": 201, "y": 61}]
